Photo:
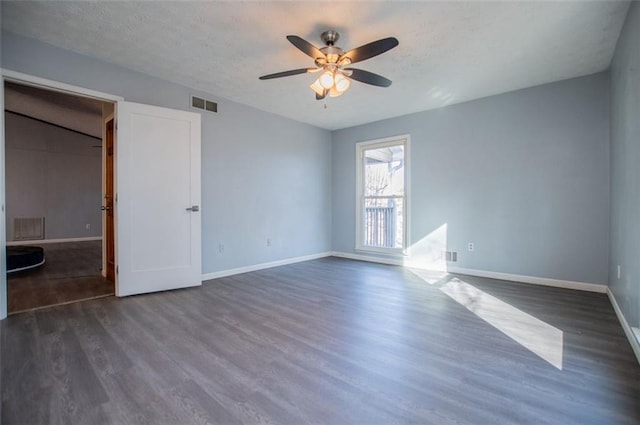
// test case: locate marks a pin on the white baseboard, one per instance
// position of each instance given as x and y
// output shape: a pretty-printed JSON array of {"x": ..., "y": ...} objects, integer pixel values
[
  {"x": 371, "y": 259},
  {"x": 262, "y": 266},
  {"x": 632, "y": 333},
  {"x": 567, "y": 284},
  {"x": 557, "y": 283},
  {"x": 43, "y": 241}
]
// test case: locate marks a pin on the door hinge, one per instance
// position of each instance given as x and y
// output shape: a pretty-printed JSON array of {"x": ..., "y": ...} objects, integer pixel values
[{"x": 117, "y": 270}]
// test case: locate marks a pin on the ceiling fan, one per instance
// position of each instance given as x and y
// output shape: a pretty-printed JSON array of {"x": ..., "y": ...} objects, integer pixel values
[{"x": 334, "y": 63}]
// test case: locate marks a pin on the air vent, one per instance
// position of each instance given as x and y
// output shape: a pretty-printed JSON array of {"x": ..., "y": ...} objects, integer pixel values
[
  {"x": 211, "y": 106},
  {"x": 196, "y": 102},
  {"x": 204, "y": 104},
  {"x": 451, "y": 256},
  {"x": 28, "y": 228}
]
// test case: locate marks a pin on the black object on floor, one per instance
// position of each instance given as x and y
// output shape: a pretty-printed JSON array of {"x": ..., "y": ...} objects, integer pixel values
[{"x": 24, "y": 257}]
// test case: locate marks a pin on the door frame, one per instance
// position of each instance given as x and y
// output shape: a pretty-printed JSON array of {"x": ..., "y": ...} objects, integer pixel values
[
  {"x": 31, "y": 80},
  {"x": 108, "y": 238}
]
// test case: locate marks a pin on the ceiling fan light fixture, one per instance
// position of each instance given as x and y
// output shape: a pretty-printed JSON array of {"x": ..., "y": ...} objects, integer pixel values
[
  {"x": 341, "y": 83},
  {"x": 334, "y": 92},
  {"x": 332, "y": 57},
  {"x": 317, "y": 87},
  {"x": 345, "y": 61},
  {"x": 327, "y": 79}
]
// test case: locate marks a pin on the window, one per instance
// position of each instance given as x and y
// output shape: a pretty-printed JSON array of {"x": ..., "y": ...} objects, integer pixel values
[{"x": 382, "y": 189}]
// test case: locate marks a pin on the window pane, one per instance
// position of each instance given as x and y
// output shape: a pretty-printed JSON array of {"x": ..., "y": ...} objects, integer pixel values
[
  {"x": 382, "y": 217},
  {"x": 384, "y": 171},
  {"x": 383, "y": 222}
]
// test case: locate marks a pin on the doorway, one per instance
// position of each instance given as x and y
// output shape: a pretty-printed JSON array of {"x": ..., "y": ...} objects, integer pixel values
[
  {"x": 59, "y": 191},
  {"x": 157, "y": 223}
]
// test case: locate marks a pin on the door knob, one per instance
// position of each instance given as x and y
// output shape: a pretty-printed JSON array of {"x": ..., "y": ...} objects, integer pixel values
[
  {"x": 103, "y": 208},
  {"x": 194, "y": 208}
]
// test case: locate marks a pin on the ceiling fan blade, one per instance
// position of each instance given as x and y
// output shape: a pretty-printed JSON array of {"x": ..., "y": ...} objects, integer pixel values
[
  {"x": 370, "y": 50},
  {"x": 287, "y": 73},
  {"x": 367, "y": 77},
  {"x": 306, "y": 47}
]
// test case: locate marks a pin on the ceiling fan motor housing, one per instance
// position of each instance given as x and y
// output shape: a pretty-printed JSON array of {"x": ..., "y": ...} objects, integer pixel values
[
  {"x": 330, "y": 37},
  {"x": 332, "y": 54}
]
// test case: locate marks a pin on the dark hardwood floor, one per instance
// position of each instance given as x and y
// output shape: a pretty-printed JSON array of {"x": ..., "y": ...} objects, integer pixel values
[
  {"x": 328, "y": 341},
  {"x": 71, "y": 273}
]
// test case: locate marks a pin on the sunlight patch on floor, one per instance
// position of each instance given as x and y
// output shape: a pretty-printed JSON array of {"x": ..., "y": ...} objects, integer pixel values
[
  {"x": 537, "y": 336},
  {"x": 432, "y": 277}
]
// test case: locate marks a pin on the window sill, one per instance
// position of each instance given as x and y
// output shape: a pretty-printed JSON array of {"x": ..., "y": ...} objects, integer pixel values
[{"x": 382, "y": 252}]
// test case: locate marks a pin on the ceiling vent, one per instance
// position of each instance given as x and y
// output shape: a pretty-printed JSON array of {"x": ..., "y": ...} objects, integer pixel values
[{"x": 204, "y": 104}]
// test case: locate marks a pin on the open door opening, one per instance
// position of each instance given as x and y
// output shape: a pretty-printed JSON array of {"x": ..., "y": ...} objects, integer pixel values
[
  {"x": 56, "y": 177},
  {"x": 150, "y": 200}
]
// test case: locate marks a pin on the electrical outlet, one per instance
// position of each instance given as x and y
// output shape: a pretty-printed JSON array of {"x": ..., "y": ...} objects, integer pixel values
[
  {"x": 618, "y": 271},
  {"x": 221, "y": 248},
  {"x": 87, "y": 226},
  {"x": 470, "y": 247}
]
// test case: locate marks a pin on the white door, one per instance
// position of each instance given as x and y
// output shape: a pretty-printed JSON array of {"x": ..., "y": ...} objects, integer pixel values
[{"x": 157, "y": 199}]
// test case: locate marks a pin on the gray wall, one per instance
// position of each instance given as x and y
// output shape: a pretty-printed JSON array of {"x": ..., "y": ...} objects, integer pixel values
[
  {"x": 52, "y": 173},
  {"x": 625, "y": 168},
  {"x": 263, "y": 176},
  {"x": 523, "y": 175}
]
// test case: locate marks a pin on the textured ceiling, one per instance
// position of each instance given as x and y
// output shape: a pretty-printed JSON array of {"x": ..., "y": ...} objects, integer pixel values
[{"x": 449, "y": 52}]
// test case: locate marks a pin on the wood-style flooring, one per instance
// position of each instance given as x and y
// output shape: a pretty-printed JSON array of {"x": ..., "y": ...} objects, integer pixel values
[
  {"x": 71, "y": 272},
  {"x": 327, "y": 341}
]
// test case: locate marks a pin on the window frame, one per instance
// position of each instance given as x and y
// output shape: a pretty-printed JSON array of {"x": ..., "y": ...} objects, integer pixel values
[{"x": 404, "y": 140}]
